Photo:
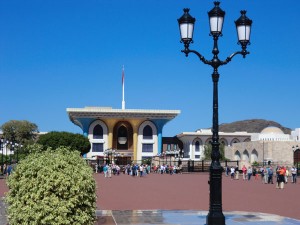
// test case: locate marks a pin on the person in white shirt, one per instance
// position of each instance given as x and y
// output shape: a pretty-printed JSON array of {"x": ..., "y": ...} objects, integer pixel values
[{"x": 232, "y": 172}]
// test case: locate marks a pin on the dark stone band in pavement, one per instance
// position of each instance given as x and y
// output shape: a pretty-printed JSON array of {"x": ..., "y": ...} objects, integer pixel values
[{"x": 185, "y": 217}]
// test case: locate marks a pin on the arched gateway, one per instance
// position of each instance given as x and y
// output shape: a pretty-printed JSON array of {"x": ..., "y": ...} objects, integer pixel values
[{"x": 128, "y": 133}]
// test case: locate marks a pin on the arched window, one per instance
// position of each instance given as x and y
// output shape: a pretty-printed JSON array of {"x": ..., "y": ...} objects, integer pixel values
[
  {"x": 197, "y": 146},
  {"x": 254, "y": 156},
  {"x": 237, "y": 155},
  {"x": 223, "y": 142},
  {"x": 122, "y": 138},
  {"x": 245, "y": 156},
  {"x": 147, "y": 132},
  {"x": 98, "y": 132}
]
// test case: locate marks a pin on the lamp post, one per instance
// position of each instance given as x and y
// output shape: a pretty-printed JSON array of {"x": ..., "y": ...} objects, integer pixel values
[
  {"x": 263, "y": 152},
  {"x": 7, "y": 143},
  {"x": 11, "y": 150},
  {"x": 1, "y": 148},
  {"x": 243, "y": 26},
  {"x": 110, "y": 154}
]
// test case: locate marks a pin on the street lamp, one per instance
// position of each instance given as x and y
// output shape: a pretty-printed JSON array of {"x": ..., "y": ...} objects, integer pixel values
[
  {"x": 243, "y": 26},
  {"x": 1, "y": 148},
  {"x": 11, "y": 150}
]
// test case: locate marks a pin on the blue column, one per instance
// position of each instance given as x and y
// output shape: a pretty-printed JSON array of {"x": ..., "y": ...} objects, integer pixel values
[
  {"x": 159, "y": 125},
  {"x": 159, "y": 140},
  {"x": 85, "y": 125}
]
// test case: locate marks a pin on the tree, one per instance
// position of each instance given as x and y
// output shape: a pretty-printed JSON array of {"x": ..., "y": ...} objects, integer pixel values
[
  {"x": 20, "y": 131},
  {"x": 52, "y": 187},
  {"x": 57, "y": 139},
  {"x": 208, "y": 150}
]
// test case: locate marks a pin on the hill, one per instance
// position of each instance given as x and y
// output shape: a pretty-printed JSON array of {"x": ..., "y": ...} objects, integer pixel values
[{"x": 251, "y": 126}]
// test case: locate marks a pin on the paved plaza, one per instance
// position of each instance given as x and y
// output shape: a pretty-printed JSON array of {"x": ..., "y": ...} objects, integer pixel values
[{"x": 182, "y": 199}]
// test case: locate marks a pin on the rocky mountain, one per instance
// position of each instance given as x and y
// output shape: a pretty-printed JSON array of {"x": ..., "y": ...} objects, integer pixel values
[{"x": 251, "y": 126}]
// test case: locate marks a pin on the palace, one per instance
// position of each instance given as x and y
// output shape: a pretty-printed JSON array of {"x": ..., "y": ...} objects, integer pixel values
[{"x": 133, "y": 134}]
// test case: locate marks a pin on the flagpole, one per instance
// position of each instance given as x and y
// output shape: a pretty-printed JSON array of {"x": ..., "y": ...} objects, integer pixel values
[{"x": 123, "y": 91}]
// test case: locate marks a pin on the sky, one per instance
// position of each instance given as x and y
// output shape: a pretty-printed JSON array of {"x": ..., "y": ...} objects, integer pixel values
[{"x": 64, "y": 54}]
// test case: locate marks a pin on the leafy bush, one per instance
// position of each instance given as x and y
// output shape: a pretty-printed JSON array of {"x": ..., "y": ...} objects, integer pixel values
[
  {"x": 52, "y": 187},
  {"x": 57, "y": 139}
]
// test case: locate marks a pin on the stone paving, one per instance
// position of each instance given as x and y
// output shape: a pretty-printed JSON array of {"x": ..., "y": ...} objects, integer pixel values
[
  {"x": 186, "y": 217},
  {"x": 244, "y": 203},
  {"x": 3, "y": 220}
]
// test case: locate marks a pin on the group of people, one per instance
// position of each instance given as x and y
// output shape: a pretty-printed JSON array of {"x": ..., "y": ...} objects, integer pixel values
[
  {"x": 266, "y": 173},
  {"x": 167, "y": 169},
  {"x": 136, "y": 170}
]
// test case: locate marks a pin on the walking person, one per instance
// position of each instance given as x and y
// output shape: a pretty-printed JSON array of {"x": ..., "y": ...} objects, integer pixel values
[
  {"x": 232, "y": 173},
  {"x": 244, "y": 171},
  {"x": 105, "y": 170},
  {"x": 141, "y": 170},
  {"x": 237, "y": 172},
  {"x": 249, "y": 172},
  {"x": 281, "y": 175},
  {"x": 226, "y": 171},
  {"x": 266, "y": 175},
  {"x": 262, "y": 174},
  {"x": 270, "y": 175},
  {"x": 294, "y": 174},
  {"x": 96, "y": 168},
  {"x": 278, "y": 179},
  {"x": 287, "y": 173}
]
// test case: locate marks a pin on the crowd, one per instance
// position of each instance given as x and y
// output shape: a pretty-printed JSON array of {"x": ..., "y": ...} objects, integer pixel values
[
  {"x": 267, "y": 174},
  {"x": 136, "y": 170}
]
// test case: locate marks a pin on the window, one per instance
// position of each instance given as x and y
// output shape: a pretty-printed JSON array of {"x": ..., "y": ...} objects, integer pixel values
[
  {"x": 122, "y": 143},
  {"x": 169, "y": 147},
  {"x": 147, "y": 132},
  {"x": 98, "y": 132},
  {"x": 147, "y": 148},
  {"x": 175, "y": 147},
  {"x": 197, "y": 146},
  {"x": 97, "y": 147},
  {"x": 197, "y": 156}
]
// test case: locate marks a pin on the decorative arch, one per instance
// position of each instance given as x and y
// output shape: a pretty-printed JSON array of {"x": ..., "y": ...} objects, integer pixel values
[
  {"x": 147, "y": 140},
  {"x": 208, "y": 141},
  {"x": 98, "y": 137},
  {"x": 223, "y": 141},
  {"x": 245, "y": 156},
  {"x": 254, "y": 156},
  {"x": 237, "y": 155},
  {"x": 98, "y": 132},
  {"x": 247, "y": 140},
  {"x": 122, "y": 136},
  {"x": 235, "y": 140},
  {"x": 147, "y": 132},
  {"x": 197, "y": 145}
]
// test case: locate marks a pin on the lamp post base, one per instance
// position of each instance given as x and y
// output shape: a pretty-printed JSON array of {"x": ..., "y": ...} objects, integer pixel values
[
  {"x": 215, "y": 218},
  {"x": 215, "y": 215}
]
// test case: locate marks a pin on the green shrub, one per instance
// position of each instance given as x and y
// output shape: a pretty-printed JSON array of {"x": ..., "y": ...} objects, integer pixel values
[{"x": 52, "y": 187}]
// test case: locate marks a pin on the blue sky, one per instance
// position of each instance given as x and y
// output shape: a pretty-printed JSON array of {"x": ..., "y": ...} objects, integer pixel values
[{"x": 69, "y": 54}]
